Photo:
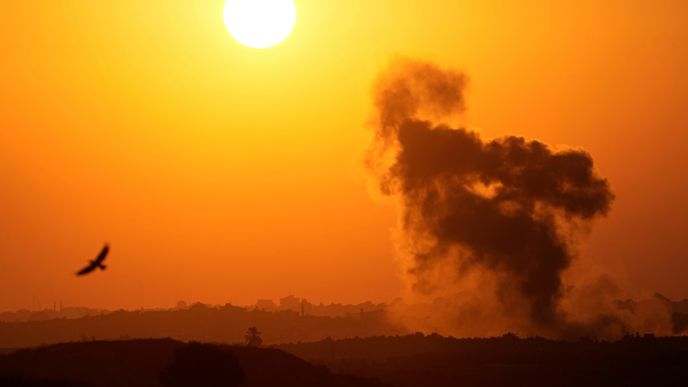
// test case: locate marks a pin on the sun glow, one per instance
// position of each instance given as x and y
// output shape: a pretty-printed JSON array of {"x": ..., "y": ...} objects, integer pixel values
[{"x": 260, "y": 23}]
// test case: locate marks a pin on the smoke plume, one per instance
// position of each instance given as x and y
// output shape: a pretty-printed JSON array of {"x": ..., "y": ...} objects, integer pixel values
[{"x": 489, "y": 226}]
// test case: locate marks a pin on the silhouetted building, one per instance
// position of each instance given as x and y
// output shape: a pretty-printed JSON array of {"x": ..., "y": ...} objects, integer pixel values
[
  {"x": 290, "y": 303},
  {"x": 266, "y": 305}
]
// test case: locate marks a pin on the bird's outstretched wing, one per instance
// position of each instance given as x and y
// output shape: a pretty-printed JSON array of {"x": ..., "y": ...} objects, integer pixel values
[
  {"x": 93, "y": 265},
  {"x": 103, "y": 254},
  {"x": 87, "y": 269}
]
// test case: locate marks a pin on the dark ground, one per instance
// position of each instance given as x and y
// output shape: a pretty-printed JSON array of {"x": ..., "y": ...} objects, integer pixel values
[
  {"x": 402, "y": 361},
  {"x": 418, "y": 360},
  {"x": 145, "y": 362}
]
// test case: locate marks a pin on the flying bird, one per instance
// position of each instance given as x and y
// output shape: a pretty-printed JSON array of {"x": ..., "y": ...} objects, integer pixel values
[{"x": 96, "y": 263}]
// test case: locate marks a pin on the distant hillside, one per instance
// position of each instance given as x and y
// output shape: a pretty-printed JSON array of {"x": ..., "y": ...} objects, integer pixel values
[
  {"x": 202, "y": 323},
  {"x": 144, "y": 362},
  {"x": 49, "y": 314},
  {"x": 226, "y": 324},
  {"x": 425, "y": 361},
  {"x": 286, "y": 304}
]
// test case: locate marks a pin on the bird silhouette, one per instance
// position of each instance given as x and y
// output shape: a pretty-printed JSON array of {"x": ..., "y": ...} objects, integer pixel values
[{"x": 96, "y": 263}]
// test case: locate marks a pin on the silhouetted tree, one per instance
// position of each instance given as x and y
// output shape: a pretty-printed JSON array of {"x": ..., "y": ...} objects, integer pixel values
[
  {"x": 253, "y": 338},
  {"x": 202, "y": 365}
]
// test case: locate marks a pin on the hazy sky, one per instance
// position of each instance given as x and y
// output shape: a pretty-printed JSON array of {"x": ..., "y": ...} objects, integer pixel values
[{"x": 223, "y": 173}]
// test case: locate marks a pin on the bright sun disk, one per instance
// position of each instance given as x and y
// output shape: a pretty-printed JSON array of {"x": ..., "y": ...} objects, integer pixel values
[{"x": 260, "y": 23}]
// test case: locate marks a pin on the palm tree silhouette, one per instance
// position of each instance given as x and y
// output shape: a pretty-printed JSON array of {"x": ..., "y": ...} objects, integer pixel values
[{"x": 253, "y": 338}]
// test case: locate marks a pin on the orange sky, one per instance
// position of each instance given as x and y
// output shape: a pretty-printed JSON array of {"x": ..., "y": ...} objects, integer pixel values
[{"x": 222, "y": 173}]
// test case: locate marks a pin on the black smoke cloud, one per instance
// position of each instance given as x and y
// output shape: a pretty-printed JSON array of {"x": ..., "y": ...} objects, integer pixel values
[{"x": 509, "y": 207}]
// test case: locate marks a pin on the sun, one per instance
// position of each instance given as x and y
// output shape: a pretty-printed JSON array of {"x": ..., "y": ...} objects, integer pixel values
[{"x": 260, "y": 23}]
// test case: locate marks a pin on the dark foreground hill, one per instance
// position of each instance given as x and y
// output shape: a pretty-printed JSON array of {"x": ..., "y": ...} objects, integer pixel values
[
  {"x": 400, "y": 361},
  {"x": 436, "y": 361},
  {"x": 164, "y": 363}
]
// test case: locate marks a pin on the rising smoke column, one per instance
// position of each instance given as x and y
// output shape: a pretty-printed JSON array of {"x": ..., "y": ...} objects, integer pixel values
[{"x": 508, "y": 207}]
